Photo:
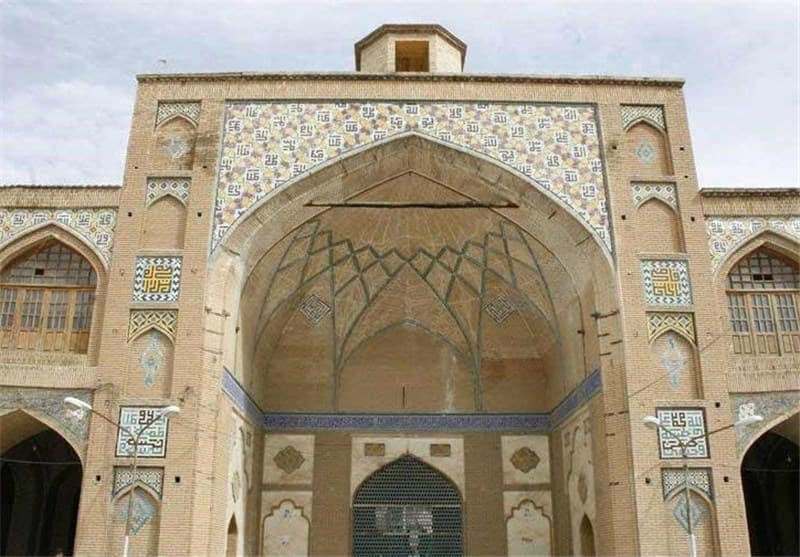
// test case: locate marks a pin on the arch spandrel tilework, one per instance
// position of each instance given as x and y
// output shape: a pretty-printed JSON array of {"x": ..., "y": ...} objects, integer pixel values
[
  {"x": 726, "y": 234},
  {"x": 266, "y": 145},
  {"x": 95, "y": 226}
]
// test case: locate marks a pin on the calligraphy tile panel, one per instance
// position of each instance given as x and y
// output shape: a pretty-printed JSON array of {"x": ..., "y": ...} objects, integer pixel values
[
  {"x": 152, "y": 442},
  {"x": 157, "y": 279},
  {"x": 725, "y": 234},
  {"x": 666, "y": 282},
  {"x": 96, "y": 226},
  {"x": 266, "y": 145},
  {"x": 688, "y": 427}
]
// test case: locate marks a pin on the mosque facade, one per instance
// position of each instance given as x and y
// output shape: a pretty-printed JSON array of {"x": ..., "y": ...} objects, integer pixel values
[{"x": 404, "y": 310}]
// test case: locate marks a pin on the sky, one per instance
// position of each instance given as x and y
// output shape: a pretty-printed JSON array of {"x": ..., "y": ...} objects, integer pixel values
[{"x": 67, "y": 69}]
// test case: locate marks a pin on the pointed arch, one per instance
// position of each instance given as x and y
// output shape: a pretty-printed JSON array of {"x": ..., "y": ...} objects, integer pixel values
[
  {"x": 412, "y": 504},
  {"x": 176, "y": 116},
  {"x": 30, "y": 237},
  {"x": 29, "y": 421},
  {"x": 774, "y": 240}
]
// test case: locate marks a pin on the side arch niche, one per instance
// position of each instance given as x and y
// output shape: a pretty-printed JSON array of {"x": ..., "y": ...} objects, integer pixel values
[
  {"x": 648, "y": 150},
  {"x": 771, "y": 484},
  {"x": 659, "y": 228},
  {"x": 174, "y": 144},
  {"x": 165, "y": 224},
  {"x": 48, "y": 292},
  {"x": 675, "y": 359},
  {"x": 528, "y": 531},
  {"x": 232, "y": 539},
  {"x": 40, "y": 482},
  {"x": 145, "y": 522},
  {"x": 407, "y": 508},
  {"x": 587, "y": 537},
  {"x": 675, "y": 524},
  {"x": 150, "y": 365},
  {"x": 285, "y": 531}
]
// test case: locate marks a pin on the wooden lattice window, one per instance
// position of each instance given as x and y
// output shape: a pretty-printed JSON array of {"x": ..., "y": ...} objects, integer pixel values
[
  {"x": 763, "y": 300},
  {"x": 46, "y": 300}
]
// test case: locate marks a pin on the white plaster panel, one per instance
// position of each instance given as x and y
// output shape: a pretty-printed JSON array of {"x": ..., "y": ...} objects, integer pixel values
[
  {"x": 362, "y": 466},
  {"x": 286, "y": 521},
  {"x": 274, "y": 444},
  {"x": 511, "y": 444},
  {"x": 528, "y": 522}
]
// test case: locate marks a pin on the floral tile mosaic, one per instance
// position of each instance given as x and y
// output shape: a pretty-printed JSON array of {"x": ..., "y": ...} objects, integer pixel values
[
  {"x": 157, "y": 279},
  {"x": 642, "y": 191},
  {"x": 726, "y": 234},
  {"x": 152, "y": 441},
  {"x": 266, "y": 145},
  {"x": 632, "y": 113},
  {"x": 688, "y": 428},
  {"x": 96, "y": 226},
  {"x": 50, "y": 404},
  {"x": 666, "y": 282},
  {"x": 160, "y": 187}
]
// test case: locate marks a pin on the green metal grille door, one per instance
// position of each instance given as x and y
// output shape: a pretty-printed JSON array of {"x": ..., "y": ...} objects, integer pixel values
[{"x": 407, "y": 509}]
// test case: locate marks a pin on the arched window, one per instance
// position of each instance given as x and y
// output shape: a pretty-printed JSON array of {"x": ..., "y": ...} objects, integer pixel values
[
  {"x": 763, "y": 301},
  {"x": 407, "y": 508},
  {"x": 46, "y": 300}
]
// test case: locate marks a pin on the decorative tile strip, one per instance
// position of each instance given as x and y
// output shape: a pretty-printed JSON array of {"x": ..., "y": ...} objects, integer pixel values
[
  {"x": 150, "y": 476},
  {"x": 187, "y": 109},
  {"x": 660, "y": 321},
  {"x": 95, "y": 226},
  {"x": 666, "y": 192},
  {"x": 161, "y": 187},
  {"x": 633, "y": 113},
  {"x": 672, "y": 480},
  {"x": 727, "y": 234},
  {"x": 164, "y": 320}
]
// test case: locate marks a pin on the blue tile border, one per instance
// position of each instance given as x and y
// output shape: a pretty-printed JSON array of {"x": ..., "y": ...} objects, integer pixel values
[{"x": 296, "y": 421}]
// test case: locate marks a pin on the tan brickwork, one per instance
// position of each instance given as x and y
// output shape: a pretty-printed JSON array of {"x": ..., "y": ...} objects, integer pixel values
[{"x": 285, "y": 363}]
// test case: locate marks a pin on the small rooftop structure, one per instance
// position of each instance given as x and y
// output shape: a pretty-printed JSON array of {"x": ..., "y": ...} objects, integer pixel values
[{"x": 414, "y": 47}]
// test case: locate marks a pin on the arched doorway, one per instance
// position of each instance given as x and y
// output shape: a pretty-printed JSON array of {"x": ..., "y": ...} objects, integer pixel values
[
  {"x": 407, "y": 508},
  {"x": 771, "y": 483},
  {"x": 41, "y": 484}
]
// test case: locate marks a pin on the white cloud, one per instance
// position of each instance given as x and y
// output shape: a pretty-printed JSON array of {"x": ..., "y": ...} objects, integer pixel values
[{"x": 67, "y": 69}]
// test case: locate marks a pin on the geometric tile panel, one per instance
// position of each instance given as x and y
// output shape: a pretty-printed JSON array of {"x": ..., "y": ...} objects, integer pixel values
[
  {"x": 166, "y": 110},
  {"x": 268, "y": 144},
  {"x": 164, "y": 320},
  {"x": 642, "y": 191},
  {"x": 152, "y": 442},
  {"x": 666, "y": 282},
  {"x": 681, "y": 513},
  {"x": 314, "y": 309},
  {"x": 660, "y": 321},
  {"x": 726, "y": 234},
  {"x": 688, "y": 429},
  {"x": 672, "y": 480},
  {"x": 646, "y": 152},
  {"x": 289, "y": 459},
  {"x": 500, "y": 308},
  {"x": 634, "y": 113},
  {"x": 95, "y": 225},
  {"x": 160, "y": 187},
  {"x": 148, "y": 476},
  {"x": 157, "y": 279}
]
